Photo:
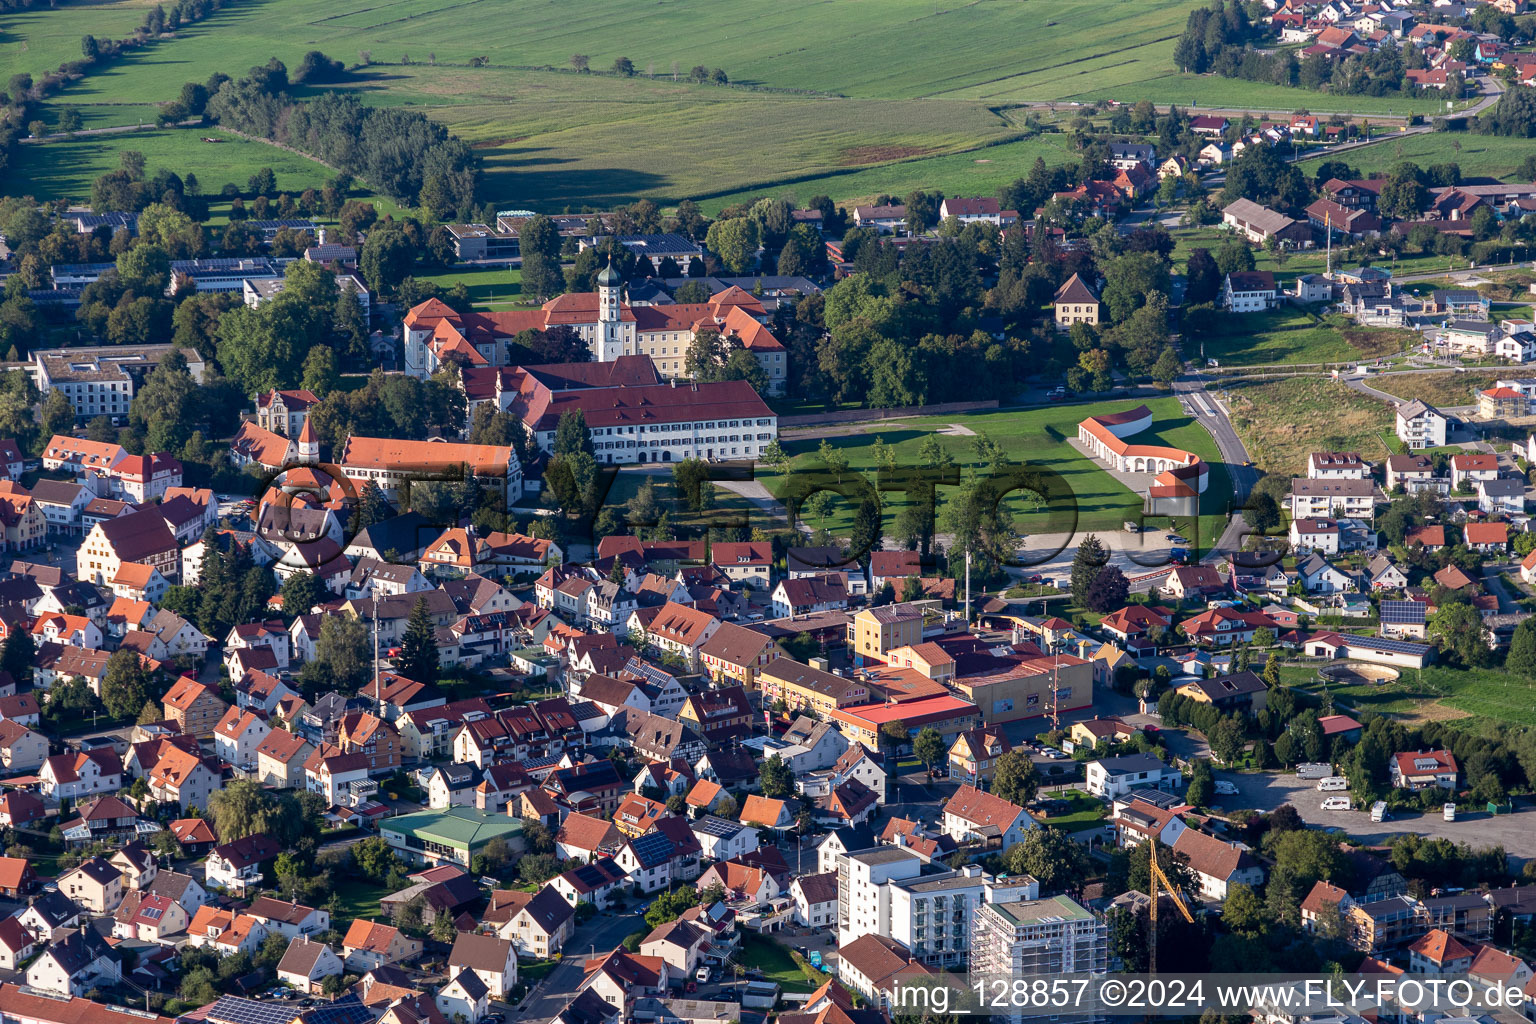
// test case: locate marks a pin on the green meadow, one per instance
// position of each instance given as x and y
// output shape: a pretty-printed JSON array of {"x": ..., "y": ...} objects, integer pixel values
[{"x": 848, "y": 99}]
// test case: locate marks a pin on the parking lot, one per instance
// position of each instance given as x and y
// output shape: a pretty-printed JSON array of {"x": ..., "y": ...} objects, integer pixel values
[{"x": 1265, "y": 792}]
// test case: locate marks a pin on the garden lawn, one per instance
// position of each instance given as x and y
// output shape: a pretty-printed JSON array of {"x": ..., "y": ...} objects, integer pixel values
[
  {"x": 1086, "y": 812},
  {"x": 627, "y": 484},
  {"x": 489, "y": 287},
  {"x": 777, "y": 964},
  {"x": 1282, "y": 421},
  {"x": 1448, "y": 388},
  {"x": 1036, "y": 438},
  {"x": 359, "y": 897}
]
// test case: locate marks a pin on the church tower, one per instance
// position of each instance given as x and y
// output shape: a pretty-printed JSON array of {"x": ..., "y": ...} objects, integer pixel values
[
  {"x": 610, "y": 330},
  {"x": 309, "y": 445}
]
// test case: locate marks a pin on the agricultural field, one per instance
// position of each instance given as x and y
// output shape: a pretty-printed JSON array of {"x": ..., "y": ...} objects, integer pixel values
[
  {"x": 1035, "y": 437},
  {"x": 66, "y": 168},
  {"x": 1282, "y": 421},
  {"x": 822, "y": 112},
  {"x": 37, "y": 41},
  {"x": 1293, "y": 335},
  {"x": 1441, "y": 389},
  {"x": 1074, "y": 47},
  {"x": 1478, "y": 155}
]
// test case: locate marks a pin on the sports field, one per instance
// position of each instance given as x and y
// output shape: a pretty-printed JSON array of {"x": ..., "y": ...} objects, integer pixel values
[
  {"x": 1031, "y": 437},
  {"x": 818, "y": 103}
]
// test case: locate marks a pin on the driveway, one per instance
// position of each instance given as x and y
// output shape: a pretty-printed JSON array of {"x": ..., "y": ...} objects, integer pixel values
[{"x": 1265, "y": 792}]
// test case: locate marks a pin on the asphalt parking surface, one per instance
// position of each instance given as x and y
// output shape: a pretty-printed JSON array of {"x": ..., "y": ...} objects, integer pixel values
[{"x": 1264, "y": 792}]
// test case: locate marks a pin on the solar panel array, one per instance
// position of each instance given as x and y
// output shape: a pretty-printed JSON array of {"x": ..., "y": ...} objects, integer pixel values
[
  {"x": 235, "y": 1010},
  {"x": 651, "y": 848},
  {"x": 1390, "y": 646},
  {"x": 347, "y": 1010},
  {"x": 718, "y": 827},
  {"x": 1400, "y": 613}
]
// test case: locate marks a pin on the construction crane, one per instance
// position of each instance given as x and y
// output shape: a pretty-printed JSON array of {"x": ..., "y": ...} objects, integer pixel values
[{"x": 1155, "y": 873}]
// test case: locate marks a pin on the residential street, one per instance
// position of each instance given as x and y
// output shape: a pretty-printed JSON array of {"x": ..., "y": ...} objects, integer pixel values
[{"x": 601, "y": 934}]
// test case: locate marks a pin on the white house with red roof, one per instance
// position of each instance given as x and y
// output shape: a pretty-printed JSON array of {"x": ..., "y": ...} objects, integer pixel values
[
  {"x": 1321, "y": 535},
  {"x": 1179, "y": 476},
  {"x": 974, "y": 814},
  {"x": 238, "y": 735},
  {"x": 1226, "y": 626},
  {"x": 1424, "y": 769}
]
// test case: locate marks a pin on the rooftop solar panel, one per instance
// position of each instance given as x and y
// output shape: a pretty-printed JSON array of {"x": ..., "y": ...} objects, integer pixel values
[
  {"x": 1391, "y": 646},
  {"x": 235, "y": 1010},
  {"x": 651, "y": 848},
  {"x": 1402, "y": 612},
  {"x": 720, "y": 827},
  {"x": 347, "y": 1010}
]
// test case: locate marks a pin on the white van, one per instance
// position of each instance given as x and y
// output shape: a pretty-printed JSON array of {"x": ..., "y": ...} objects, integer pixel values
[
  {"x": 1332, "y": 784},
  {"x": 1379, "y": 811},
  {"x": 1448, "y": 812},
  {"x": 1336, "y": 803}
]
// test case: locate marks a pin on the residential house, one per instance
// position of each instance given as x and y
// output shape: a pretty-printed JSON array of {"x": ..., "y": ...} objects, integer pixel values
[
  {"x": 306, "y": 963},
  {"x": 236, "y": 867},
  {"x": 974, "y": 815},
  {"x": 492, "y": 959},
  {"x": 1249, "y": 291},
  {"x": 94, "y": 885},
  {"x": 1424, "y": 769},
  {"x": 75, "y": 964},
  {"x": 1217, "y": 865},
  {"x": 1421, "y": 425},
  {"x": 369, "y": 944},
  {"x": 1116, "y": 776}
]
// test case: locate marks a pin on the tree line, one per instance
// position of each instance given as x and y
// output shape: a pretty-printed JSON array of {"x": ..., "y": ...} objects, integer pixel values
[{"x": 400, "y": 152}]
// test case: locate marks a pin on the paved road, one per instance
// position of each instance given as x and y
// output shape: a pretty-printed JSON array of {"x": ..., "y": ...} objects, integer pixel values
[
  {"x": 601, "y": 934},
  {"x": 1233, "y": 453}
]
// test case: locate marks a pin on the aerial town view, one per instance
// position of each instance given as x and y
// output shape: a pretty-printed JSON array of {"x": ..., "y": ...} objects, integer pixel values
[{"x": 619, "y": 512}]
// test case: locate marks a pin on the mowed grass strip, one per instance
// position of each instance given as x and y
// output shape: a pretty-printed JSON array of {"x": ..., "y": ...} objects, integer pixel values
[{"x": 1282, "y": 421}]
